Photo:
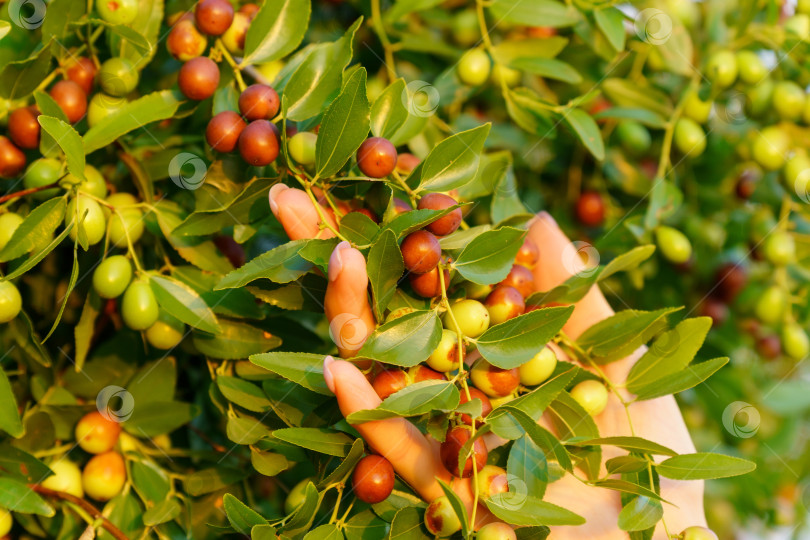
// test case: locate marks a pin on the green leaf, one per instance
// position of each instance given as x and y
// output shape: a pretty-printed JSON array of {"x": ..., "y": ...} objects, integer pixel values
[
  {"x": 236, "y": 340},
  {"x": 631, "y": 444},
  {"x": 301, "y": 368},
  {"x": 34, "y": 259},
  {"x": 408, "y": 525},
  {"x": 611, "y": 22},
  {"x": 530, "y": 511},
  {"x": 18, "y": 79},
  {"x": 344, "y": 126},
  {"x": 18, "y": 497},
  {"x": 358, "y": 229},
  {"x": 276, "y": 30},
  {"x": 640, "y": 514},
  {"x": 507, "y": 51},
  {"x": 688, "y": 378},
  {"x": 625, "y": 464},
  {"x": 703, "y": 466},
  {"x": 389, "y": 111},
  {"x": 263, "y": 532},
  {"x": 324, "y": 441},
  {"x": 528, "y": 463},
  {"x": 413, "y": 220},
  {"x": 549, "y": 68},
  {"x": 571, "y": 421},
  {"x": 342, "y": 471},
  {"x": 488, "y": 258},
  {"x": 200, "y": 252},
  {"x": 458, "y": 508},
  {"x": 329, "y": 531},
  {"x": 627, "y": 93},
  {"x": 243, "y": 393},
  {"x": 385, "y": 267},
  {"x": 617, "y": 336},
  {"x": 162, "y": 512},
  {"x": 280, "y": 265},
  {"x": 183, "y": 303},
  {"x": 454, "y": 161},
  {"x": 365, "y": 526},
  {"x": 9, "y": 414},
  {"x": 677, "y": 51},
  {"x": 269, "y": 463},
  {"x": 624, "y": 486},
  {"x": 209, "y": 480},
  {"x": 36, "y": 228},
  {"x": 405, "y": 341},
  {"x": 147, "y": 25},
  {"x": 541, "y": 436},
  {"x": 159, "y": 417},
  {"x": 585, "y": 128},
  {"x": 525, "y": 108},
  {"x": 154, "y": 381},
  {"x": 643, "y": 116},
  {"x": 514, "y": 342},
  {"x": 414, "y": 400},
  {"x": 68, "y": 140},
  {"x": 241, "y": 517},
  {"x": 136, "y": 114},
  {"x": 534, "y": 12}
]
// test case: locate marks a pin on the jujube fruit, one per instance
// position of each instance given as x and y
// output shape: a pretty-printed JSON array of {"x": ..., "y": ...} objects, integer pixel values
[
  {"x": 71, "y": 99},
  {"x": 504, "y": 303},
  {"x": 729, "y": 279},
  {"x": 751, "y": 68},
  {"x": 634, "y": 137},
  {"x": 104, "y": 476},
  {"x": 23, "y": 127},
  {"x": 139, "y": 308},
  {"x": 12, "y": 159},
  {"x": 795, "y": 341},
  {"x": 674, "y": 245},
  {"x": 234, "y": 36},
  {"x": 93, "y": 183},
  {"x": 491, "y": 481},
  {"x": 223, "y": 130},
  {"x": 496, "y": 531},
  {"x": 10, "y": 302},
  {"x": 102, "y": 106},
  {"x": 389, "y": 381},
  {"x": 521, "y": 278},
  {"x": 690, "y": 140},
  {"x": 591, "y": 395},
  {"x": 788, "y": 100},
  {"x": 66, "y": 477},
  {"x": 9, "y": 221},
  {"x": 377, "y": 157},
  {"x": 486, "y": 404},
  {"x": 771, "y": 305},
  {"x": 96, "y": 434},
  {"x": 474, "y": 67},
  {"x": 213, "y": 17},
  {"x": 250, "y": 9},
  {"x": 82, "y": 71},
  {"x": 444, "y": 357},
  {"x": 440, "y": 518},
  {"x": 6, "y": 522},
  {"x": 126, "y": 222},
  {"x": 539, "y": 368},
  {"x": 528, "y": 255},
  {"x": 721, "y": 68},
  {"x": 166, "y": 333},
  {"x": 429, "y": 285},
  {"x": 421, "y": 252},
  {"x": 495, "y": 382},
  {"x": 43, "y": 172},
  {"x": 695, "y": 108},
  {"x": 421, "y": 373},
  {"x": 85, "y": 213},
  {"x": 301, "y": 147},
  {"x": 258, "y": 101},
  {"x": 112, "y": 276},
  {"x": 451, "y": 448},
  {"x": 770, "y": 148},
  {"x": 779, "y": 248},
  {"x": 118, "y": 76},
  {"x": 373, "y": 479},
  {"x": 503, "y": 74},
  {"x": 471, "y": 317},
  {"x": 198, "y": 78},
  {"x": 698, "y": 533},
  {"x": 590, "y": 209},
  {"x": 769, "y": 347},
  {"x": 406, "y": 163},
  {"x": 258, "y": 143},
  {"x": 185, "y": 41},
  {"x": 446, "y": 224},
  {"x": 117, "y": 11}
]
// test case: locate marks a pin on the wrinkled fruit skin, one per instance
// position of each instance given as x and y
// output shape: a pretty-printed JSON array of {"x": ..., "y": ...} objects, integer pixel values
[
  {"x": 539, "y": 368},
  {"x": 223, "y": 130},
  {"x": 104, "y": 476},
  {"x": 421, "y": 252},
  {"x": 471, "y": 317},
  {"x": 258, "y": 143},
  {"x": 96, "y": 434},
  {"x": 446, "y": 224},
  {"x": 592, "y": 395},
  {"x": 373, "y": 479},
  {"x": 258, "y": 102},
  {"x": 10, "y": 302},
  {"x": 213, "y": 17},
  {"x": 494, "y": 381},
  {"x": 377, "y": 157},
  {"x": 496, "y": 531},
  {"x": 112, "y": 276},
  {"x": 198, "y": 78},
  {"x": 166, "y": 333},
  {"x": 139, "y": 307},
  {"x": 66, "y": 477},
  {"x": 440, "y": 518}
]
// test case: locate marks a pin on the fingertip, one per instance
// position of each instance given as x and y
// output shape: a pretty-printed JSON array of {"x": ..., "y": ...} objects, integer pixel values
[
  {"x": 274, "y": 192},
  {"x": 336, "y": 260},
  {"x": 327, "y": 373}
]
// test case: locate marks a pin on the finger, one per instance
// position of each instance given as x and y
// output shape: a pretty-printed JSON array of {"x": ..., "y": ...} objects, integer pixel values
[
  {"x": 297, "y": 213},
  {"x": 347, "y": 308}
]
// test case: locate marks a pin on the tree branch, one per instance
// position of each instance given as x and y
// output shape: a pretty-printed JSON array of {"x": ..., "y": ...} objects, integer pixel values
[{"x": 86, "y": 506}]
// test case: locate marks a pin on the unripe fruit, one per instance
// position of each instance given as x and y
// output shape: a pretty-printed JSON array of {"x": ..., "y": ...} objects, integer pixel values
[
  {"x": 721, "y": 68},
  {"x": 698, "y": 533},
  {"x": 117, "y": 11},
  {"x": 139, "y": 308},
  {"x": 465, "y": 28},
  {"x": 471, "y": 317},
  {"x": 104, "y": 476},
  {"x": 788, "y": 100},
  {"x": 697, "y": 109},
  {"x": 590, "y": 209},
  {"x": 751, "y": 68},
  {"x": 71, "y": 99},
  {"x": 66, "y": 478},
  {"x": 592, "y": 395},
  {"x": 377, "y": 157},
  {"x": 803, "y": 6},
  {"x": 521, "y": 278},
  {"x": 23, "y": 127},
  {"x": 297, "y": 496},
  {"x": 373, "y": 479},
  {"x": 6, "y": 522},
  {"x": 9, "y": 222},
  {"x": 689, "y": 137},
  {"x": 389, "y": 382},
  {"x": 451, "y": 448},
  {"x": 43, "y": 172},
  {"x": 258, "y": 101},
  {"x": 634, "y": 137},
  {"x": 779, "y": 248},
  {"x": 111, "y": 278},
  {"x": 127, "y": 220},
  {"x": 797, "y": 172},
  {"x": 223, "y": 130},
  {"x": 85, "y": 213},
  {"x": 421, "y": 252},
  {"x": 486, "y": 404},
  {"x": 213, "y": 17},
  {"x": 528, "y": 255},
  {"x": 502, "y": 74},
  {"x": 301, "y": 147},
  {"x": 234, "y": 36},
  {"x": 795, "y": 341},
  {"x": 491, "y": 481},
  {"x": 118, "y": 76},
  {"x": 674, "y": 245},
  {"x": 10, "y": 302},
  {"x": 429, "y": 285},
  {"x": 474, "y": 67},
  {"x": 185, "y": 41},
  {"x": 446, "y": 224},
  {"x": 496, "y": 531},
  {"x": 771, "y": 147},
  {"x": 93, "y": 183},
  {"x": 166, "y": 333},
  {"x": 444, "y": 357},
  {"x": 102, "y": 106},
  {"x": 799, "y": 26},
  {"x": 198, "y": 78},
  {"x": 440, "y": 518},
  {"x": 539, "y": 368},
  {"x": 494, "y": 381},
  {"x": 771, "y": 305},
  {"x": 96, "y": 434},
  {"x": 504, "y": 303},
  {"x": 12, "y": 159},
  {"x": 258, "y": 143}
]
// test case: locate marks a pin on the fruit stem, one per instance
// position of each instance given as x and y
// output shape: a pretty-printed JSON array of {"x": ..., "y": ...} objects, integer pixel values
[
  {"x": 666, "y": 146},
  {"x": 319, "y": 209},
  {"x": 405, "y": 187},
  {"x": 24, "y": 192},
  {"x": 376, "y": 22},
  {"x": 337, "y": 503},
  {"x": 482, "y": 22},
  {"x": 84, "y": 505},
  {"x": 237, "y": 73}
]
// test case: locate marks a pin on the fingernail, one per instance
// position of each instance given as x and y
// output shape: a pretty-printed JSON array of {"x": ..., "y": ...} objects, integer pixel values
[
  {"x": 547, "y": 217},
  {"x": 336, "y": 262},
  {"x": 274, "y": 192},
  {"x": 327, "y": 373}
]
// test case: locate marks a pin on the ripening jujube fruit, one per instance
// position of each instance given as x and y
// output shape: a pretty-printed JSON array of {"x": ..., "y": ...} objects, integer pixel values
[
  {"x": 592, "y": 395},
  {"x": 117, "y": 11},
  {"x": 421, "y": 373},
  {"x": 421, "y": 252},
  {"x": 446, "y": 224},
  {"x": 729, "y": 280},
  {"x": 71, "y": 99},
  {"x": 590, "y": 208},
  {"x": 104, "y": 476},
  {"x": 373, "y": 479},
  {"x": 539, "y": 368},
  {"x": 12, "y": 159},
  {"x": 118, "y": 76},
  {"x": 444, "y": 357},
  {"x": 521, "y": 278},
  {"x": 440, "y": 518},
  {"x": 185, "y": 41},
  {"x": 10, "y": 302},
  {"x": 258, "y": 101},
  {"x": 429, "y": 285},
  {"x": 126, "y": 222},
  {"x": 223, "y": 130},
  {"x": 23, "y": 127},
  {"x": 528, "y": 255},
  {"x": 139, "y": 308},
  {"x": 112, "y": 276},
  {"x": 66, "y": 477},
  {"x": 451, "y": 448},
  {"x": 9, "y": 221},
  {"x": 198, "y": 78},
  {"x": 213, "y": 17},
  {"x": 504, "y": 303},
  {"x": 389, "y": 381},
  {"x": 258, "y": 143},
  {"x": 96, "y": 434},
  {"x": 495, "y": 382},
  {"x": 491, "y": 481},
  {"x": 475, "y": 393},
  {"x": 82, "y": 71},
  {"x": 301, "y": 147},
  {"x": 496, "y": 531},
  {"x": 377, "y": 157},
  {"x": 471, "y": 316},
  {"x": 166, "y": 333},
  {"x": 85, "y": 213},
  {"x": 406, "y": 163},
  {"x": 234, "y": 36}
]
